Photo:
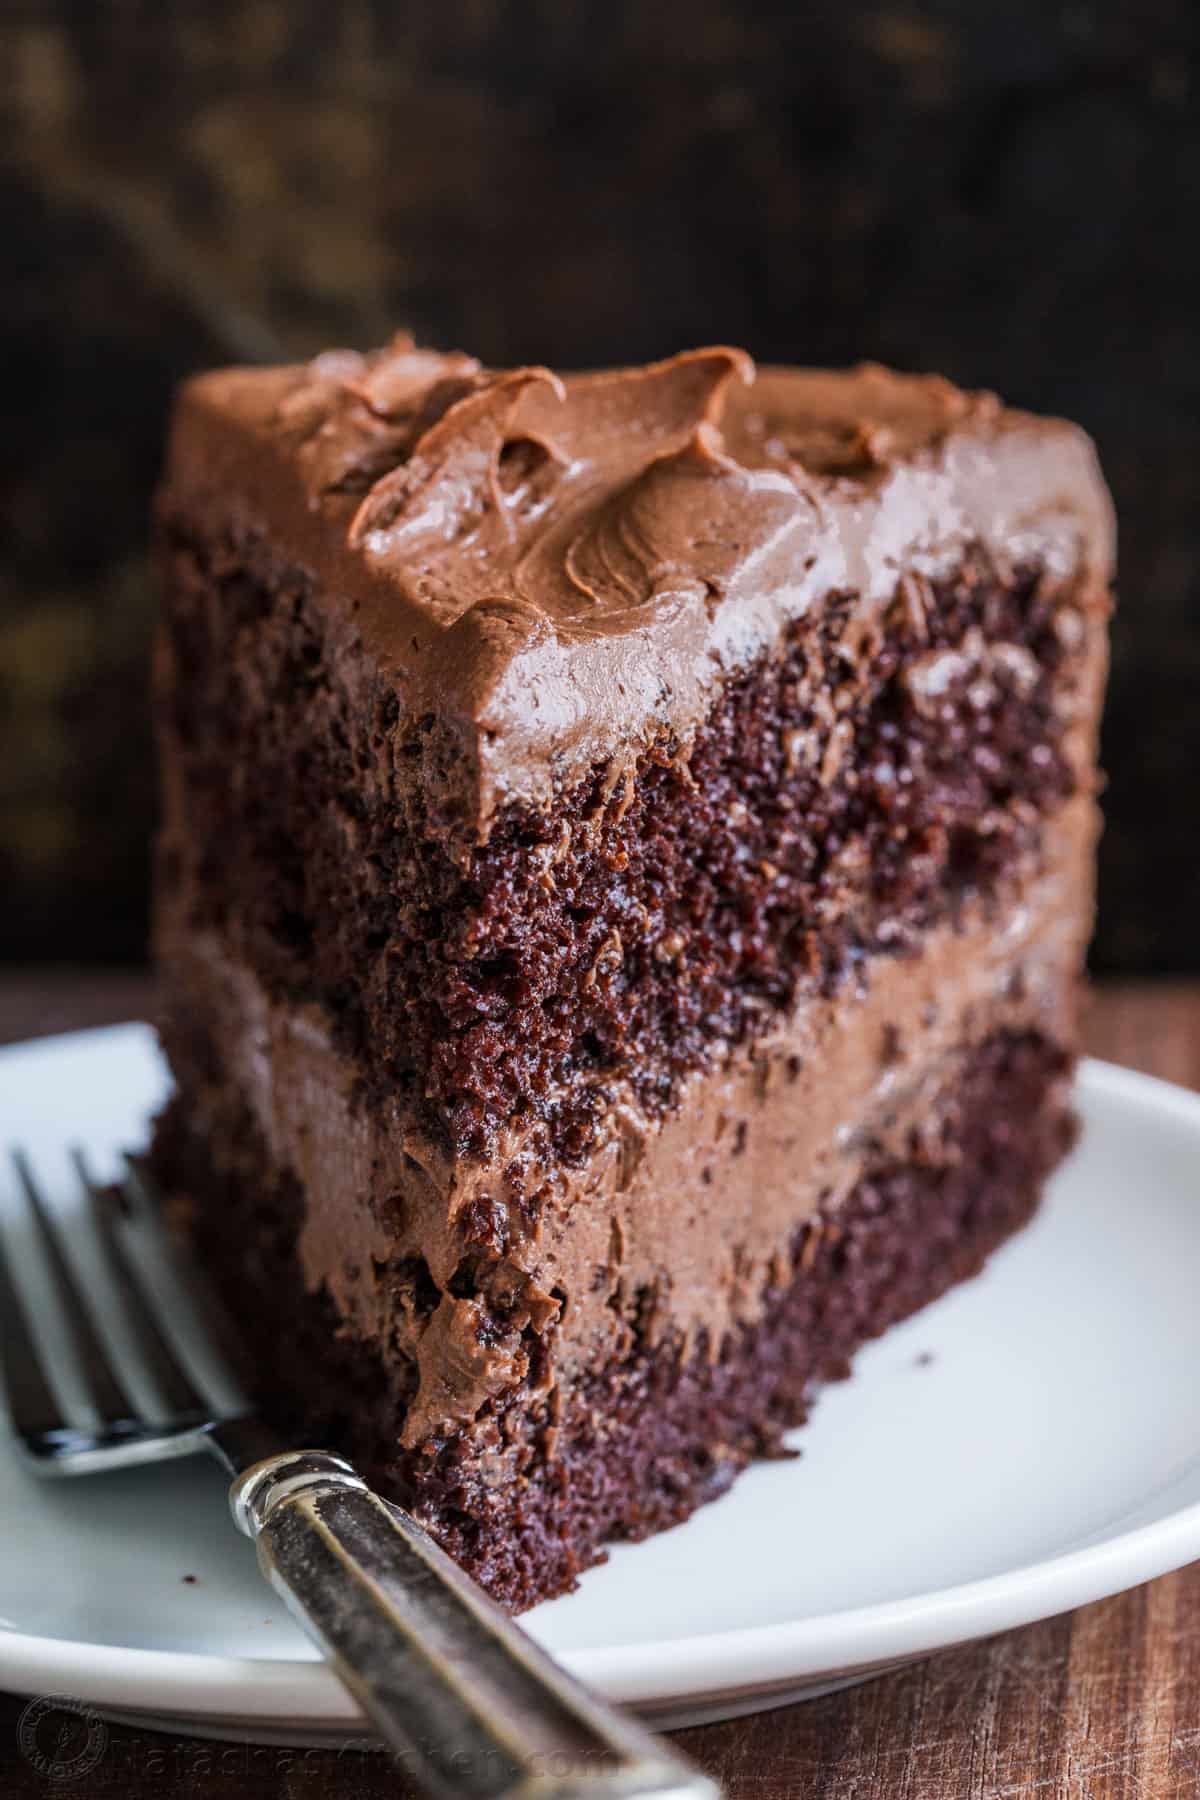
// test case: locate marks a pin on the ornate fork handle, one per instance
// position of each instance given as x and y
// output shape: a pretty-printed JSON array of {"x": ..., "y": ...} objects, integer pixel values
[{"x": 461, "y": 1693}]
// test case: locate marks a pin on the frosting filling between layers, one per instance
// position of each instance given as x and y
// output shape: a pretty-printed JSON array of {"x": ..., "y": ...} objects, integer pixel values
[{"x": 686, "y": 1221}]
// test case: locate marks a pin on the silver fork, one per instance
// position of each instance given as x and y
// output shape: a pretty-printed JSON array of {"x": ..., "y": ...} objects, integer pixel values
[{"x": 474, "y": 1706}]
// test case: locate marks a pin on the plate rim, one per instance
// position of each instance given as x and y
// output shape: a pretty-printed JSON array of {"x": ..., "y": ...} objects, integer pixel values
[{"x": 294, "y": 1690}]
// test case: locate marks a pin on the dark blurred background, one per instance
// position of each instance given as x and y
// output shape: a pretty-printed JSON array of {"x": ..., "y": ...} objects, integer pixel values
[{"x": 1005, "y": 190}]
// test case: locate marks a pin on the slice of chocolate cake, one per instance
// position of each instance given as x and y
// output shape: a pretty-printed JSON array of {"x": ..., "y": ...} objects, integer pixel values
[{"x": 626, "y": 861}]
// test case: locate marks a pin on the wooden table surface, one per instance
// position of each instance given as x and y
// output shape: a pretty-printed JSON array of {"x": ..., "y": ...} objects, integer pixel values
[{"x": 1102, "y": 1704}]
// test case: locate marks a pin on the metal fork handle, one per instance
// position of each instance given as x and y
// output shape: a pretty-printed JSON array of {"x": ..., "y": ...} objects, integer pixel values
[{"x": 461, "y": 1694}]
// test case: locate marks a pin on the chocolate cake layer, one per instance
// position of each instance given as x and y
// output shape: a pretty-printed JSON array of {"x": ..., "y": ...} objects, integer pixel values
[{"x": 551, "y": 1473}]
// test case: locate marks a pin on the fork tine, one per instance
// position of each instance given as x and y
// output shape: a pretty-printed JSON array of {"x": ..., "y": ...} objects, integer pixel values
[
  {"x": 94, "y": 1370},
  {"x": 33, "y": 1409},
  {"x": 177, "y": 1398},
  {"x": 190, "y": 1317}
]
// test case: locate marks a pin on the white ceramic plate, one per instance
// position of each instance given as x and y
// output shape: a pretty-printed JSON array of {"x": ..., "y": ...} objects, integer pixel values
[{"x": 1029, "y": 1443}]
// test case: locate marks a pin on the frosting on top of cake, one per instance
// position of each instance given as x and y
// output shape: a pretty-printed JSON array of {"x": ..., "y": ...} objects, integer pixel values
[{"x": 564, "y": 567}]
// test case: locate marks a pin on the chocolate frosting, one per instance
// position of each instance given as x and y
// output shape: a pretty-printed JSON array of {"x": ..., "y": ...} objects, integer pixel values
[{"x": 557, "y": 566}]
